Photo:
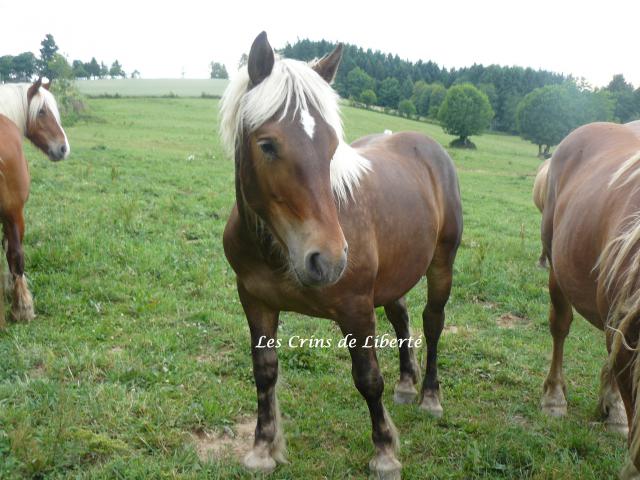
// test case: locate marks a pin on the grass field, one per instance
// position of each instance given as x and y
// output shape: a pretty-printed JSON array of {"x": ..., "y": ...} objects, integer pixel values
[
  {"x": 140, "y": 351},
  {"x": 152, "y": 87}
]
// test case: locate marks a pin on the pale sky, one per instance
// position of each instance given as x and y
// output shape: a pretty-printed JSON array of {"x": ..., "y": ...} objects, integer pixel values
[{"x": 163, "y": 39}]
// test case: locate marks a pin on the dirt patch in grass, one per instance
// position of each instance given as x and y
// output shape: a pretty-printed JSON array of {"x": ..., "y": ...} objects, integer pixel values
[
  {"x": 509, "y": 320},
  {"x": 230, "y": 442}
]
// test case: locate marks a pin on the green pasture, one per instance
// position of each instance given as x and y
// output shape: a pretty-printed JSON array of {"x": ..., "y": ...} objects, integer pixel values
[
  {"x": 139, "y": 354},
  {"x": 152, "y": 87}
]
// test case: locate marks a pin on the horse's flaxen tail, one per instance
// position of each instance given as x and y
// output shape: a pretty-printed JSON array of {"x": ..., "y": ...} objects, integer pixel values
[
  {"x": 619, "y": 276},
  {"x": 540, "y": 185}
]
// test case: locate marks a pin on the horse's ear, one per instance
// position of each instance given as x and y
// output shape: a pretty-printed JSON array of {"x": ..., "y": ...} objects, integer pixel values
[
  {"x": 261, "y": 59},
  {"x": 33, "y": 89},
  {"x": 328, "y": 65},
  {"x": 47, "y": 85}
]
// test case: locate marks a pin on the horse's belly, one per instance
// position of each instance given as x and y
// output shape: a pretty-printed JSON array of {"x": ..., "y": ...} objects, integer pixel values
[{"x": 573, "y": 259}]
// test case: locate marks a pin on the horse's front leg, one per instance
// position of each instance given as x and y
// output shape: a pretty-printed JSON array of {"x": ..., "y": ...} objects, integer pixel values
[
  {"x": 370, "y": 384},
  {"x": 269, "y": 445},
  {"x": 22, "y": 302}
]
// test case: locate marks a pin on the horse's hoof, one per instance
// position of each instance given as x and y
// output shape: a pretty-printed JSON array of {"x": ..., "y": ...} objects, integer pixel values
[
  {"x": 385, "y": 467},
  {"x": 555, "y": 409},
  {"x": 259, "y": 460},
  {"x": 431, "y": 404},
  {"x": 404, "y": 392},
  {"x": 629, "y": 472},
  {"x": 23, "y": 313}
]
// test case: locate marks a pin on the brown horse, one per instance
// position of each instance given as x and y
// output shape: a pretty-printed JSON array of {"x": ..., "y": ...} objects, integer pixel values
[
  {"x": 591, "y": 232},
  {"x": 539, "y": 196},
  {"x": 28, "y": 110},
  {"x": 331, "y": 230}
]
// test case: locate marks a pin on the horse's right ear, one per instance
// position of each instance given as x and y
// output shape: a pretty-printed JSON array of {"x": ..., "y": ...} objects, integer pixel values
[
  {"x": 33, "y": 89},
  {"x": 261, "y": 59}
]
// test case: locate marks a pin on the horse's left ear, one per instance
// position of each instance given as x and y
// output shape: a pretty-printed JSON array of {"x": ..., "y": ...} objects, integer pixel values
[
  {"x": 328, "y": 65},
  {"x": 47, "y": 86},
  {"x": 33, "y": 89}
]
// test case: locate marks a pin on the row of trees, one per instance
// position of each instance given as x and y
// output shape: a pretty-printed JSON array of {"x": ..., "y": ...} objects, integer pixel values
[
  {"x": 385, "y": 80},
  {"x": 52, "y": 64},
  {"x": 539, "y": 105}
]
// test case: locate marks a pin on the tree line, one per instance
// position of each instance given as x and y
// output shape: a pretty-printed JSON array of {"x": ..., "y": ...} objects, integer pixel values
[
  {"x": 539, "y": 105},
  {"x": 51, "y": 64}
]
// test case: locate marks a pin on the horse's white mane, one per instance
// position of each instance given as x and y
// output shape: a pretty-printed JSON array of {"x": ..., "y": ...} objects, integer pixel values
[
  {"x": 291, "y": 85},
  {"x": 15, "y": 106},
  {"x": 624, "y": 169}
]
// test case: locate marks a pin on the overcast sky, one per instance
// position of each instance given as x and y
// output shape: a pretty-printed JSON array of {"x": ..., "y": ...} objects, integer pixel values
[{"x": 165, "y": 39}]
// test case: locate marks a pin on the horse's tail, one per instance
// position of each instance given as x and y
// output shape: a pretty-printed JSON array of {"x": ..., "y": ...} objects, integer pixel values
[
  {"x": 619, "y": 277},
  {"x": 540, "y": 185}
]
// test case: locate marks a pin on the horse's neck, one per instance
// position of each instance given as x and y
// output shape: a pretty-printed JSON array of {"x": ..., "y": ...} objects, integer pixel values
[
  {"x": 256, "y": 232},
  {"x": 14, "y": 105}
]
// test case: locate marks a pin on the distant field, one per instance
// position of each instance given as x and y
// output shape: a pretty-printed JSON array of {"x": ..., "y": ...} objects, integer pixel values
[{"x": 153, "y": 87}]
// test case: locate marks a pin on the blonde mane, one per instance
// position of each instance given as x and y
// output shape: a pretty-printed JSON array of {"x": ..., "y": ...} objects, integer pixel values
[
  {"x": 292, "y": 86},
  {"x": 15, "y": 105},
  {"x": 630, "y": 163},
  {"x": 619, "y": 274}
]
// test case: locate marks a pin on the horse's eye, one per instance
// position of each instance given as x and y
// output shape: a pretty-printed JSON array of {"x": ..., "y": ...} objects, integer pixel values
[
  {"x": 268, "y": 148},
  {"x": 42, "y": 113}
]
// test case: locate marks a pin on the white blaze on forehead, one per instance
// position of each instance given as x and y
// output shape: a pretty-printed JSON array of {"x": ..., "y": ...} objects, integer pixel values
[{"x": 308, "y": 123}]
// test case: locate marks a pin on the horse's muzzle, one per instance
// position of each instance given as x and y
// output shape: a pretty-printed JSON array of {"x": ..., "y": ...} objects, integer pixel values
[{"x": 320, "y": 269}]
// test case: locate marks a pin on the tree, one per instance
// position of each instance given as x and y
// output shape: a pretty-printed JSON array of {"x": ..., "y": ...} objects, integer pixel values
[
  {"x": 546, "y": 115},
  {"x": 104, "y": 70},
  {"x": 465, "y": 111},
  {"x": 58, "y": 67},
  {"x": 79, "y": 70},
  {"x": 407, "y": 88},
  {"x": 6, "y": 68},
  {"x": 625, "y": 106},
  {"x": 244, "y": 58},
  {"x": 358, "y": 81},
  {"x": 437, "y": 96},
  {"x": 218, "y": 70},
  {"x": 389, "y": 92},
  {"x": 25, "y": 66},
  {"x": 93, "y": 68},
  {"x": 47, "y": 53},
  {"x": 116, "y": 70},
  {"x": 135, "y": 74},
  {"x": 407, "y": 108},
  {"x": 368, "y": 97}
]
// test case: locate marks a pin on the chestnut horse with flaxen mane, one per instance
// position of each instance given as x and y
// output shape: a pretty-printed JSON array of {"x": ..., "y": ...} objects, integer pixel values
[
  {"x": 591, "y": 233},
  {"x": 25, "y": 110},
  {"x": 333, "y": 230}
]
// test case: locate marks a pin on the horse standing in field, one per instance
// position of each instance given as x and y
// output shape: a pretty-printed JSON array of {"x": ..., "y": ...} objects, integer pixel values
[
  {"x": 539, "y": 196},
  {"x": 591, "y": 233},
  {"x": 332, "y": 230},
  {"x": 25, "y": 110}
]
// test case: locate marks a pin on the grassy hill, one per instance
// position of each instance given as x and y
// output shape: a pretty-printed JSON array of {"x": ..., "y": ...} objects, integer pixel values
[{"x": 139, "y": 355}]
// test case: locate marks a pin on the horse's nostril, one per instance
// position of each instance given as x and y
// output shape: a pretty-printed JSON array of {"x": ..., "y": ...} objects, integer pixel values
[
  {"x": 63, "y": 149},
  {"x": 314, "y": 265}
]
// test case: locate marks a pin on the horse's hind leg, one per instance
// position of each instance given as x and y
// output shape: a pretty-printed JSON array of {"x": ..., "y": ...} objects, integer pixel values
[
  {"x": 439, "y": 278},
  {"x": 269, "y": 445},
  {"x": 405, "y": 391},
  {"x": 22, "y": 302},
  {"x": 610, "y": 403},
  {"x": 554, "y": 401}
]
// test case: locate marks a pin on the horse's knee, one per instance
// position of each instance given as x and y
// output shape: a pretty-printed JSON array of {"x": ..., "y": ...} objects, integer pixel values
[{"x": 369, "y": 382}]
